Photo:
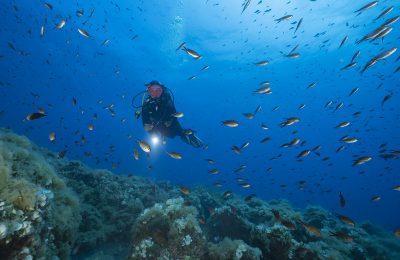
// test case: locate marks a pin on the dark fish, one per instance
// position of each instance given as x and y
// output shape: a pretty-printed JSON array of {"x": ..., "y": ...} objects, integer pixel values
[
  {"x": 35, "y": 116},
  {"x": 386, "y": 98},
  {"x": 342, "y": 200},
  {"x": 61, "y": 154},
  {"x": 298, "y": 25},
  {"x": 355, "y": 56},
  {"x": 367, "y": 6},
  {"x": 390, "y": 21},
  {"x": 342, "y": 236},
  {"x": 283, "y": 18},
  {"x": 48, "y": 6},
  {"x": 180, "y": 46},
  {"x": 250, "y": 197},
  {"x": 246, "y": 4},
  {"x": 344, "y": 41},
  {"x": 354, "y": 91},
  {"x": 350, "y": 65},
  {"x": 388, "y": 10}
]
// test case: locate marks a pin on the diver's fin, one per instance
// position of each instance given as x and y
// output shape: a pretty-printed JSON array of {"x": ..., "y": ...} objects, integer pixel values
[{"x": 193, "y": 140}]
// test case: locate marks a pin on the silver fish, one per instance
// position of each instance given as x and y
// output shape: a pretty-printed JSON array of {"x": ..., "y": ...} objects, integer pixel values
[
  {"x": 283, "y": 18},
  {"x": 367, "y": 6},
  {"x": 388, "y": 10}
]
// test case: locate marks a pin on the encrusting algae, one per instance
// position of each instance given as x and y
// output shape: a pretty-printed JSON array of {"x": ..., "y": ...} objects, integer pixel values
[{"x": 52, "y": 208}]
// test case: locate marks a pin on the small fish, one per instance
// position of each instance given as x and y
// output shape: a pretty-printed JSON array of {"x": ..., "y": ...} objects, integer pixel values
[
  {"x": 61, "y": 154},
  {"x": 91, "y": 127},
  {"x": 180, "y": 46},
  {"x": 248, "y": 115},
  {"x": 105, "y": 42},
  {"x": 35, "y": 116},
  {"x": 244, "y": 145},
  {"x": 227, "y": 194},
  {"x": 184, "y": 190},
  {"x": 343, "y": 124},
  {"x": 136, "y": 154},
  {"x": 144, "y": 146},
  {"x": 258, "y": 109},
  {"x": 311, "y": 229},
  {"x": 250, "y": 197},
  {"x": 264, "y": 126},
  {"x": 375, "y": 198},
  {"x": 344, "y": 41},
  {"x": 290, "y": 121},
  {"x": 60, "y": 24},
  {"x": 236, "y": 149},
  {"x": 303, "y": 153},
  {"x": 192, "y": 53},
  {"x": 261, "y": 63},
  {"x": 175, "y": 155},
  {"x": 48, "y": 6},
  {"x": 396, "y": 188},
  {"x": 79, "y": 13},
  {"x": 301, "y": 106},
  {"x": 246, "y": 4},
  {"x": 386, "y": 98},
  {"x": 342, "y": 236},
  {"x": 205, "y": 67},
  {"x": 42, "y": 31},
  {"x": 349, "y": 139},
  {"x": 245, "y": 185},
  {"x": 230, "y": 123},
  {"x": 355, "y": 56},
  {"x": 350, "y": 65},
  {"x": 342, "y": 200},
  {"x": 312, "y": 85},
  {"x": 263, "y": 90},
  {"x": 388, "y": 10},
  {"x": 52, "y": 137},
  {"x": 293, "y": 55},
  {"x": 354, "y": 91},
  {"x": 367, "y": 6},
  {"x": 346, "y": 220},
  {"x": 84, "y": 33},
  {"x": 192, "y": 77},
  {"x": 266, "y": 139},
  {"x": 283, "y": 18},
  {"x": 298, "y": 26},
  {"x": 210, "y": 161},
  {"x": 214, "y": 171},
  {"x": 362, "y": 160},
  {"x": 390, "y": 21},
  {"x": 178, "y": 114}
]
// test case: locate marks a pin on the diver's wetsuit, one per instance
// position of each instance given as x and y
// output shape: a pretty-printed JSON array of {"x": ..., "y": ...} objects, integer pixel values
[{"x": 158, "y": 114}]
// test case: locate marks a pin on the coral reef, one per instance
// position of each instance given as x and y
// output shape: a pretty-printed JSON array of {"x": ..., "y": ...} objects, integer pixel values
[{"x": 52, "y": 208}]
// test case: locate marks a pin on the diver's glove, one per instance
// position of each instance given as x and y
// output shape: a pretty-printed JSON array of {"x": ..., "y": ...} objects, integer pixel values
[{"x": 193, "y": 140}]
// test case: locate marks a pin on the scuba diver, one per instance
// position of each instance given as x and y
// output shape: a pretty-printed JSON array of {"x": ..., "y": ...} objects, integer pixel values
[{"x": 158, "y": 114}]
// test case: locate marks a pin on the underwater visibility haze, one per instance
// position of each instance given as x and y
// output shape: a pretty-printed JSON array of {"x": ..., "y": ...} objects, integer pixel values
[{"x": 279, "y": 131}]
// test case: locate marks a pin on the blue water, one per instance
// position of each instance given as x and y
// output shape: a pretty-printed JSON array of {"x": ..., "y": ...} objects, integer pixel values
[{"x": 49, "y": 71}]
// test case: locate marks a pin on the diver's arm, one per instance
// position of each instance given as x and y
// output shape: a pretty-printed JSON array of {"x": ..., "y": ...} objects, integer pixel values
[
  {"x": 169, "y": 111},
  {"x": 147, "y": 124}
]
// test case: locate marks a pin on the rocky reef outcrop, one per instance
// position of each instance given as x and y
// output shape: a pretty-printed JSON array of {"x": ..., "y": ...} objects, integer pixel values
[{"x": 52, "y": 208}]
